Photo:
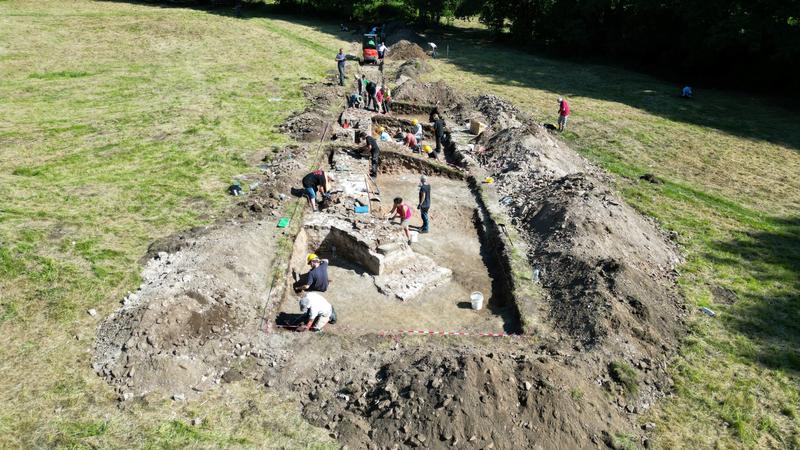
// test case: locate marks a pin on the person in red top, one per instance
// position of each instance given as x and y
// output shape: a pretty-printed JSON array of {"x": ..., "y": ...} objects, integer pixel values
[
  {"x": 563, "y": 113},
  {"x": 404, "y": 212},
  {"x": 411, "y": 141}
]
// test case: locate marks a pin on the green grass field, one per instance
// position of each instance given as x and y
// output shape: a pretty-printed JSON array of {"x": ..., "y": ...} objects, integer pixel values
[{"x": 121, "y": 123}]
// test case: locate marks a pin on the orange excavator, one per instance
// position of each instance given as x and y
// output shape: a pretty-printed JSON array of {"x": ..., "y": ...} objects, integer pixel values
[{"x": 369, "y": 47}]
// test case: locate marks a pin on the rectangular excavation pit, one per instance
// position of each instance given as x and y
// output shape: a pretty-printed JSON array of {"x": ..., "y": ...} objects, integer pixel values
[{"x": 361, "y": 265}]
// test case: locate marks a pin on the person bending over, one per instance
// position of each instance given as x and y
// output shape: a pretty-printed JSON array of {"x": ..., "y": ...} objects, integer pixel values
[
  {"x": 404, "y": 212},
  {"x": 317, "y": 312},
  {"x": 313, "y": 182}
]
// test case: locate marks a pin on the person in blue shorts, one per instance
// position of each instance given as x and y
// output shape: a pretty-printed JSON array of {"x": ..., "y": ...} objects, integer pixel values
[{"x": 313, "y": 182}]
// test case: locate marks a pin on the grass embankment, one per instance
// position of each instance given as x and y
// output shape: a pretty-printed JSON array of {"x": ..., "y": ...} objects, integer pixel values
[
  {"x": 121, "y": 123},
  {"x": 729, "y": 165}
]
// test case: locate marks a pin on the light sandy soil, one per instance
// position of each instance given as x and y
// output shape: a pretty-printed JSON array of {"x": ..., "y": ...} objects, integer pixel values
[{"x": 452, "y": 243}]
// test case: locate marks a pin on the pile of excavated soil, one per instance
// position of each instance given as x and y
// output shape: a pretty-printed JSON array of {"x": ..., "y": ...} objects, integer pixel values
[
  {"x": 413, "y": 91},
  {"x": 406, "y": 50},
  {"x": 608, "y": 270},
  {"x": 192, "y": 317},
  {"x": 498, "y": 113},
  {"x": 309, "y": 124},
  {"x": 411, "y": 69},
  {"x": 499, "y": 395}
]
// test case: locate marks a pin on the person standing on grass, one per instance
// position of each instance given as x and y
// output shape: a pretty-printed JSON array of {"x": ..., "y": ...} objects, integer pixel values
[
  {"x": 424, "y": 203},
  {"x": 404, "y": 212},
  {"x": 317, "y": 312},
  {"x": 374, "y": 156},
  {"x": 340, "y": 62},
  {"x": 563, "y": 113},
  {"x": 381, "y": 50}
]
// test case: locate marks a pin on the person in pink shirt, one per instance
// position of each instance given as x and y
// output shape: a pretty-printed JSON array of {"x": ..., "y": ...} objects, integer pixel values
[
  {"x": 404, "y": 212},
  {"x": 411, "y": 141},
  {"x": 379, "y": 97},
  {"x": 563, "y": 113}
]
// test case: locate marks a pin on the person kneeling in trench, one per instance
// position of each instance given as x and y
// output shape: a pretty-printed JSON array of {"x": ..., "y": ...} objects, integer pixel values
[
  {"x": 317, "y": 312},
  {"x": 316, "y": 279}
]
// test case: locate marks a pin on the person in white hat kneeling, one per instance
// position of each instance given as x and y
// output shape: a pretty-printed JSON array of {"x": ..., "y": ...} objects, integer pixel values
[{"x": 317, "y": 312}]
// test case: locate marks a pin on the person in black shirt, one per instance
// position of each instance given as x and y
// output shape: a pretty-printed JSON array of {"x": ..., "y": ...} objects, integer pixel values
[
  {"x": 372, "y": 99},
  {"x": 316, "y": 180},
  {"x": 317, "y": 278},
  {"x": 434, "y": 113},
  {"x": 424, "y": 203},
  {"x": 438, "y": 131},
  {"x": 374, "y": 155}
]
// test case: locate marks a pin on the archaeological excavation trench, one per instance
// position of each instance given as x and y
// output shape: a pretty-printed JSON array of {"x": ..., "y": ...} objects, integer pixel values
[
  {"x": 580, "y": 286},
  {"x": 379, "y": 282}
]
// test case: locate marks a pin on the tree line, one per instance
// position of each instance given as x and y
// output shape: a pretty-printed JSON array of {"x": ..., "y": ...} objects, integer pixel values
[{"x": 750, "y": 44}]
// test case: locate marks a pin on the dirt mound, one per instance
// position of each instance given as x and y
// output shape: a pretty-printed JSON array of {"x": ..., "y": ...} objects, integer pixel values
[
  {"x": 608, "y": 270},
  {"x": 498, "y": 113},
  {"x": 411, "y": 69},
  {"x": 188, "y": 321},
  {"x": 309, "y": 124},
  {"x": 512, "y": 150},
  {"x": 404, "y": 49},
  {"x": 199, "y": 310},
  {"x": 463, "y": 398},
  {"x": 413, "y": 91},
  {"x": 305, "y": 126}
]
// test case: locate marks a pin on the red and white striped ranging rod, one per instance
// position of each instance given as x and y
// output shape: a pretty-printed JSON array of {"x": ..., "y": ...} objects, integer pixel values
[{"x": 422, "y": 332}]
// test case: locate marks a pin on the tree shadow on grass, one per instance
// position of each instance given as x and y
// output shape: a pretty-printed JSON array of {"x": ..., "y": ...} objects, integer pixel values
[
  {"x": 472, "y": 50},
  {"x": 768, "y": 309}
]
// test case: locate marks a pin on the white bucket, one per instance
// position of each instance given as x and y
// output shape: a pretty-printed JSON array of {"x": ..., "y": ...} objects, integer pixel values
[
  {"x": 414, "y": 236},
  {"x": 477, "y": 300}
]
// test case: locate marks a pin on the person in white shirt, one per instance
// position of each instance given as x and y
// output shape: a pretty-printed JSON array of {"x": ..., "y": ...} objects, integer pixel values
[
  {"x": 381, "y": 50},
  {"x": 317, "y": 312},
  {"x": 433, "y": 49}
]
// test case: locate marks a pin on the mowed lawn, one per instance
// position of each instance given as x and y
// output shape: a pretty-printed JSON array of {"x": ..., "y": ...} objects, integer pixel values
[
  {"x": 121, "y": 123},
  {"x": 729, "y": 166}
]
